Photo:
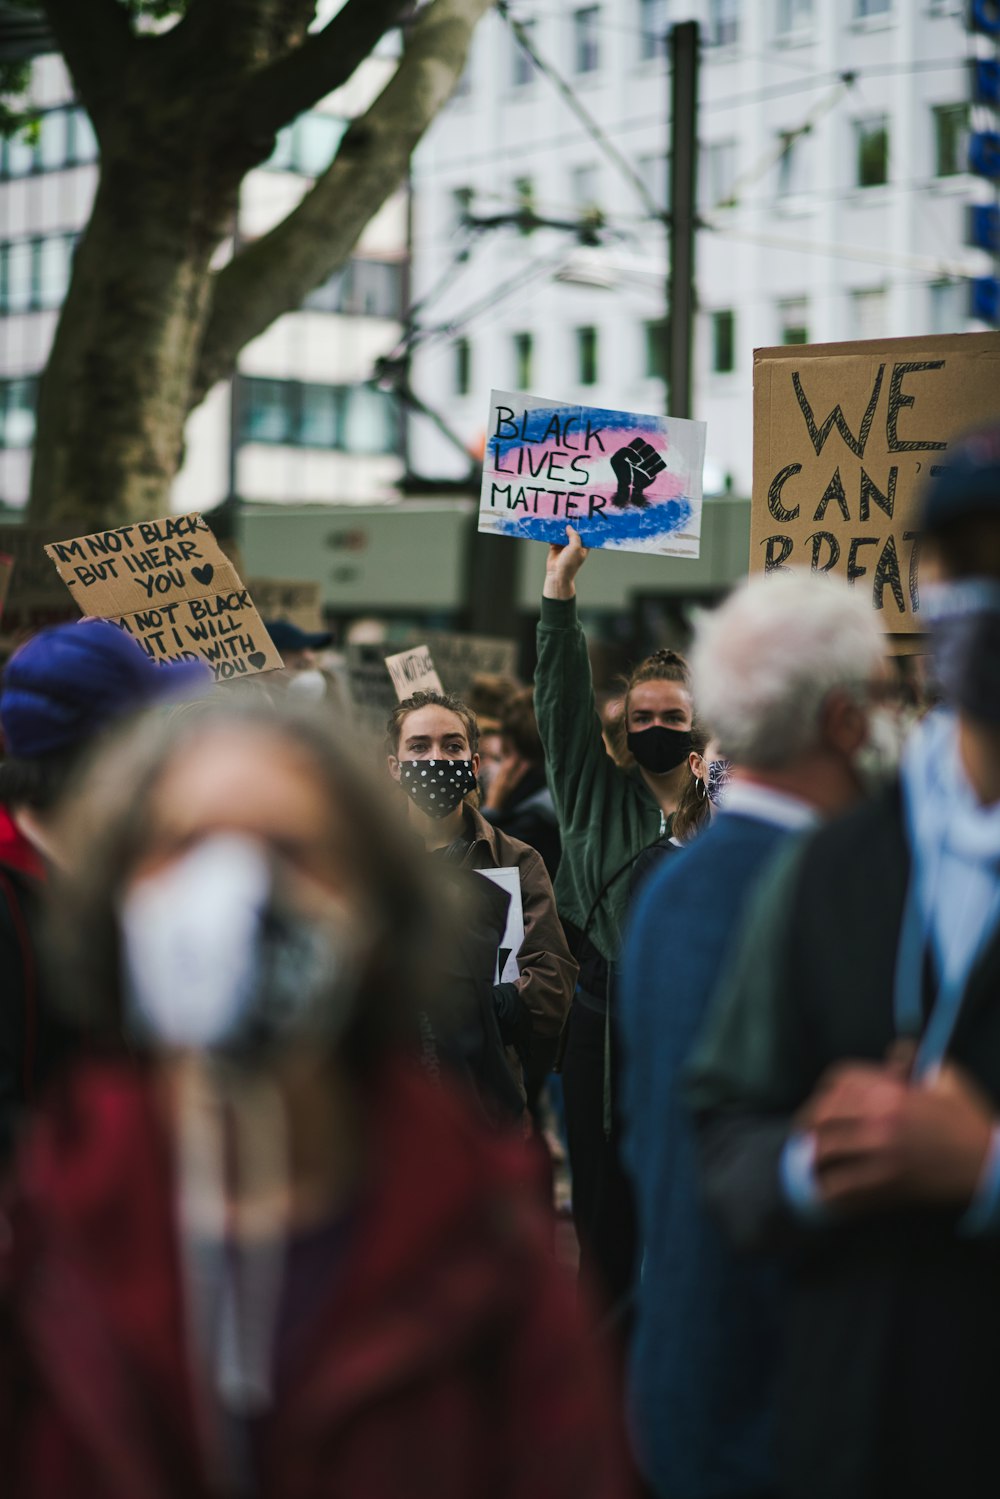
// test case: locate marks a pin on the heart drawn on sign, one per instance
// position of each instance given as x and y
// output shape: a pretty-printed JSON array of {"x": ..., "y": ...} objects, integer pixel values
[
  {"x": 203, "y": 574},
  {"x": 257, "y": 659}
]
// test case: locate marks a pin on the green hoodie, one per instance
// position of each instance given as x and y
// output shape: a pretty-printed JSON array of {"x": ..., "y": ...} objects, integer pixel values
[{"x": 607, "y": 816}]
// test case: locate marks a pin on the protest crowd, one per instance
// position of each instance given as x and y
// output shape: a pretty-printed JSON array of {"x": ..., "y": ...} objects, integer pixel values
[{"x": 523, "y": 1104}]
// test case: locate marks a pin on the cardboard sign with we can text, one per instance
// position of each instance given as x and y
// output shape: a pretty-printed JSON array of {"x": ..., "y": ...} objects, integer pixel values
[
  {"x": 845, "y": 435},
  {"x": 170, "y": 586}
]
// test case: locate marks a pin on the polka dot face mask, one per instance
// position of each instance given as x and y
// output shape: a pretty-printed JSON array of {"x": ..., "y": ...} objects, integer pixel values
[{"x": 437, "y": 786}]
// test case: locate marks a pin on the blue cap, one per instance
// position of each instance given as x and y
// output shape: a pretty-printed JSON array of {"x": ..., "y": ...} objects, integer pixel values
[
  {"x": 968, "y": 481},
  {"x": 67, "y": 684},
  {"x": 288, "y": 637}
]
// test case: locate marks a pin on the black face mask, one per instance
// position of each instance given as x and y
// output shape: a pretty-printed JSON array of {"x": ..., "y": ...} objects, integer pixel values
[
  {"x": 659, "y": 750},
  {"x": 437, "y": 786},
  {"x": 965, "y": 643}
]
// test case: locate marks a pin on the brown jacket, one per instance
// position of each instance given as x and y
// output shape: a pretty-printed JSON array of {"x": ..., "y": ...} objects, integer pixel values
[{"x": 548, "y": 972}]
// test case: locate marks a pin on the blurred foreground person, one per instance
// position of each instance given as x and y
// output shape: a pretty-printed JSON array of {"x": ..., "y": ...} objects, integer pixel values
[
  {"x": 61, "y": 691},
  {"x": 263, "y": 1255},
  {"x": 783, "y": 670},
  {"x": 433, "y": 742},
  {"x": 849, "y": 1085},
  {"x": 609, "y": 812}
]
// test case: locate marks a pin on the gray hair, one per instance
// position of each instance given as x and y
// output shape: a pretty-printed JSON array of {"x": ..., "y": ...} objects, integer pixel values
[{"x": 765, "y": 662}]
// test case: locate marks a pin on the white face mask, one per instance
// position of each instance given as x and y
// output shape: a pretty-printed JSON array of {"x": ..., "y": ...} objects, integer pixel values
[
  {"x": 309, "y": 685},
  {"x": 877, "y": 761},
  {"x": 216, "y": 956}
]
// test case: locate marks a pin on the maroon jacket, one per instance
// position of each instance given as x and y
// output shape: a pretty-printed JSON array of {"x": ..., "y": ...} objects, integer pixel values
[{"x": 446, "y": 1362}]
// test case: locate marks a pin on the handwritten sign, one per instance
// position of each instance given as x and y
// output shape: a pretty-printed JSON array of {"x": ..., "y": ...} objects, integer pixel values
[
  {"x": 370, "y": 688},
  {"x": 462, "y": 658},
  {"x": 844, "y": 436},
  {"x": 301, "y": 603},
  {"x": 413, "y": 671},
  {"x": 623, "y": 480},
  {"x": 168, "y": 584}
]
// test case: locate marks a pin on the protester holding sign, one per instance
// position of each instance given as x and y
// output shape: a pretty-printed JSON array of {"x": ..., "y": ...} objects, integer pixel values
[
  {"x": 260, "y": 1252},
  {"x": 607, "y": 816},
  {"x": 849, "y": 1083},
  {"x": 433, "y": 755}
]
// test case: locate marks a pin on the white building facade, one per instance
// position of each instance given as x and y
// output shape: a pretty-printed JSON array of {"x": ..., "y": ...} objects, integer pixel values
[
  {"x": 305, "y": 423},
  {"x": 832, "y": 191}
]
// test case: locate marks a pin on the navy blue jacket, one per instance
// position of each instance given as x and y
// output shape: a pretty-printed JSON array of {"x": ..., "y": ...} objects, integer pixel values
[{"x": 705, "y": 1345}]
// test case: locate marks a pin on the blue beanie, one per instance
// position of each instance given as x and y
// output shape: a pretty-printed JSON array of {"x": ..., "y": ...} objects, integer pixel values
[
  {"x": 65, "y": 685},
  {"x": 967, "y": 482}
]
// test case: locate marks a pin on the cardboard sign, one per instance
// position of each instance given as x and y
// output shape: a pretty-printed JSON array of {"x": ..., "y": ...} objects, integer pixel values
[
  {"x": 301, "y": 603},
  {"x": 6, "y": 569},
  {"x": 509, "y": 879},
  {"x": 844, "y": 436},
  {"x": 413, "y": 671},
  {"x": 623, "y": 480},
  {"x": 370, "y": 688},
  {"x": 35, "y": 597},
  {"x": 168, "y": 584},
  {"x": 462, "y": 658}
]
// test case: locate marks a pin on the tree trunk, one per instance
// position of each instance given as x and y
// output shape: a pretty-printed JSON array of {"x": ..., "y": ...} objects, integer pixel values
[{"x": 115, "y": 395}]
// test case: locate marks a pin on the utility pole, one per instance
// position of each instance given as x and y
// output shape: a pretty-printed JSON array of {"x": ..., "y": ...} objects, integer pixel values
[{"x": 683, "y": 170}]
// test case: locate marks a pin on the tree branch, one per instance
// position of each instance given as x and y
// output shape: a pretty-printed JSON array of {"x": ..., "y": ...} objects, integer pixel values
[
  {"x": 276, "y": 94},
  {"x": 96, "y": 41},
  {"x": 274, "y": 275}
]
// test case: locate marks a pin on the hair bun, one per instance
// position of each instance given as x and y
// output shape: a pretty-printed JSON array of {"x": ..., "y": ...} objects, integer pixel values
[{"x": 666, "y": 657}]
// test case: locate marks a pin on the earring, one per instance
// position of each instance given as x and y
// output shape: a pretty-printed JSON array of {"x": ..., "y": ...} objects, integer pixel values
[{"x": 702, "y": 791}]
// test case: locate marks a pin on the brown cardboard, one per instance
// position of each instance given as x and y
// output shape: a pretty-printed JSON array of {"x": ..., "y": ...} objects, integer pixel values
[
  {"x": 843, "y": 496},
  {"x": 170, "y": 586},
  {"x": 461, "y": 658},
  {"x": 301, "y": 603},
  {"x": 413, "y": 671}
]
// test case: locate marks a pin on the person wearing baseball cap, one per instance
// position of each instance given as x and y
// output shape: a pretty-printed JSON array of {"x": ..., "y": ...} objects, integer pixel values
[
  {"x": 848, "y": 1086},
  {"x": 61, "y": 692}
]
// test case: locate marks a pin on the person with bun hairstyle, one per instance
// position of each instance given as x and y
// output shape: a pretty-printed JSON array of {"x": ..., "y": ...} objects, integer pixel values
[{"x": 608, "y": 814}]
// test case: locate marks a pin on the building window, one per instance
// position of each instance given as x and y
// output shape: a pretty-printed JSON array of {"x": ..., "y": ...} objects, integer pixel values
[
  {"x": 524, "y": 198},
  {"x": 654, "y": 172},
  {"x": 348, "y": 418},
  {"x": 586, "y": 356},
  {"x": 793, "y": 16},
  {"x": 793, "y": 164},
  {"x": 656, "y": 335},
  {"x": 951, "y": 136},
  {"x": 586, "y": 39},
  {"x": 871, "y": 138},
  {"x": 17, "y": 412},
  {"x": 460, "y": 201},
  {"x": 864, "y": 8},
  {"x": 522, "y": 66},
  {"x": 53, "y": 140},
  {"x": 584, "y": 189},
  {"x": 868, "y": 313},
  {"x": 653, "y": 22},
  {"x": 64, "y": 138},
  {"x": 461, "y": 353},
  {"x": 719, "y": 173},
  {"x": 308, "y": 145},
  {"x": 363, "y": 288},
  {"x": 34, "y": 273},
  {"x": 949, "y": 306},
  {"x": 793, "y": 321},
  {"x": 723, "y": 342},
  {"x": 723, "y": 23},
  {"x": 82, "y": 147},
  {"x": 524, "y": 359}
]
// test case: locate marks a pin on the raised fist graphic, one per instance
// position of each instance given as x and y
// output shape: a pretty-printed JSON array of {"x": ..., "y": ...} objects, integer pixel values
[{"x": 635, "y": 468}]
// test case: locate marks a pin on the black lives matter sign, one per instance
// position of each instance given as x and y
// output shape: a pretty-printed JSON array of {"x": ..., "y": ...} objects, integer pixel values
[
  {"x": 169, "y": 585},
  {"x": 845, "y": 435}
]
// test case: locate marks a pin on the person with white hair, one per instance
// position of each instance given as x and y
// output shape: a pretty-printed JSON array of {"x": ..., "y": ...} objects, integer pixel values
[{"x": 785, "y": 675}]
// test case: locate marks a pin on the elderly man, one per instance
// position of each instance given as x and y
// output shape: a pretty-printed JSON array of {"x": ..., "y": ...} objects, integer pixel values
[
  {"x": 782, "y": 676},
  {"x": 849, "y": 1086}
]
